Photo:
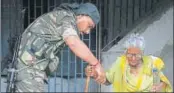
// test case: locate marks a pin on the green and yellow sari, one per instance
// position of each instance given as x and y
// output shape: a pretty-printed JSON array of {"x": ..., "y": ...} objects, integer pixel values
[{"x": 119, "y": 75}]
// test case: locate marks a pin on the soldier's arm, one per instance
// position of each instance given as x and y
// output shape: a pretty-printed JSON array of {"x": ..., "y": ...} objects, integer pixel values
[
  {"x": 71, "y": 38},
  {"x": 80, "y": 49}
]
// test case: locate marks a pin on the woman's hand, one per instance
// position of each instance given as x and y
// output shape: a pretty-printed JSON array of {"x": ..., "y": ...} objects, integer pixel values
[
  {"x": 158, "y": 87},
  {"x": 90, "y": 71}
]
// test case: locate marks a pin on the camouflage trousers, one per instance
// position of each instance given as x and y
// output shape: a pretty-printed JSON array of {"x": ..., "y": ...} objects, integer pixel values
[
  {"x": 31, "y": 85},
  {"x": 30, "y": 80}
]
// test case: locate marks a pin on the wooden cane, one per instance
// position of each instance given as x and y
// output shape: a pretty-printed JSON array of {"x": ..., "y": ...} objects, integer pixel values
[{"x": 87, "y": 83}]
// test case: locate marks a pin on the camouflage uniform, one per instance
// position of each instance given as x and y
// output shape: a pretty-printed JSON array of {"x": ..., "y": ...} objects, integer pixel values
[{"x": 42, "y": 41}]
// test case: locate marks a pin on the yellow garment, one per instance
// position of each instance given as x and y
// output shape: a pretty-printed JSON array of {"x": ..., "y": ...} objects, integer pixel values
[{"x": 119, "y": 75}]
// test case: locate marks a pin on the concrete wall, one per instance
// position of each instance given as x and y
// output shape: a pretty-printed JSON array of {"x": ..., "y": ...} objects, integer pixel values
[{"x": 158, "y": 33}]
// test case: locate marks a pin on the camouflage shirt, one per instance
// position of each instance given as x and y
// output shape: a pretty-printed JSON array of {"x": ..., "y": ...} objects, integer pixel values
[{"x": 44, "y": 38}]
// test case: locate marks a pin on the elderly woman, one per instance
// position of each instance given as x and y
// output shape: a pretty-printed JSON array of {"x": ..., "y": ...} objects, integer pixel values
[{"x": 135, "y": 72}]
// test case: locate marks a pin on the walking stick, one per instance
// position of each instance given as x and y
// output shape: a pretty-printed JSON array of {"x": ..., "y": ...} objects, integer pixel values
[{"x": 87, "y": 83}]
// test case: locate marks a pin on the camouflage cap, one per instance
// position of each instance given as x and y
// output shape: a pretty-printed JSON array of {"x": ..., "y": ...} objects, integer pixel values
[{"x": 90, "y": 10}]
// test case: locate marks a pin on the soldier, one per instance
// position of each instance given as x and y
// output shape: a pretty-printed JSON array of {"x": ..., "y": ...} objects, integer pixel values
[{"x": 44, "y": 38}]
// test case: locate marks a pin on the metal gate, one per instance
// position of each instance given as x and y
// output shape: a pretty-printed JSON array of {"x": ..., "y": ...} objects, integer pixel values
[{"x": 70, "y": 76}]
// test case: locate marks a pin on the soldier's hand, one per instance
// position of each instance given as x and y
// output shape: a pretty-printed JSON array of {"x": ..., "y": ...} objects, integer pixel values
[{"x": 101, "y": 77}]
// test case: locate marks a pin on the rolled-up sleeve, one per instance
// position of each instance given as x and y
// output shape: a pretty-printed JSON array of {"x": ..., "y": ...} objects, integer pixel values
[
  {"x": 68, "y": 28},
  {"x": 69, "y": 31}
]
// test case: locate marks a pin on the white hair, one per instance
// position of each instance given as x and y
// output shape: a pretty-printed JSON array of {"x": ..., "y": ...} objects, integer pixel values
[{"x": 135, "y": 40}]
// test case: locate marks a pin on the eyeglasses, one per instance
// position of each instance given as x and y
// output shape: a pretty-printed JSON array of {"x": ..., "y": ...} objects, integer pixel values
[{"x": 135, "y": 55}]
